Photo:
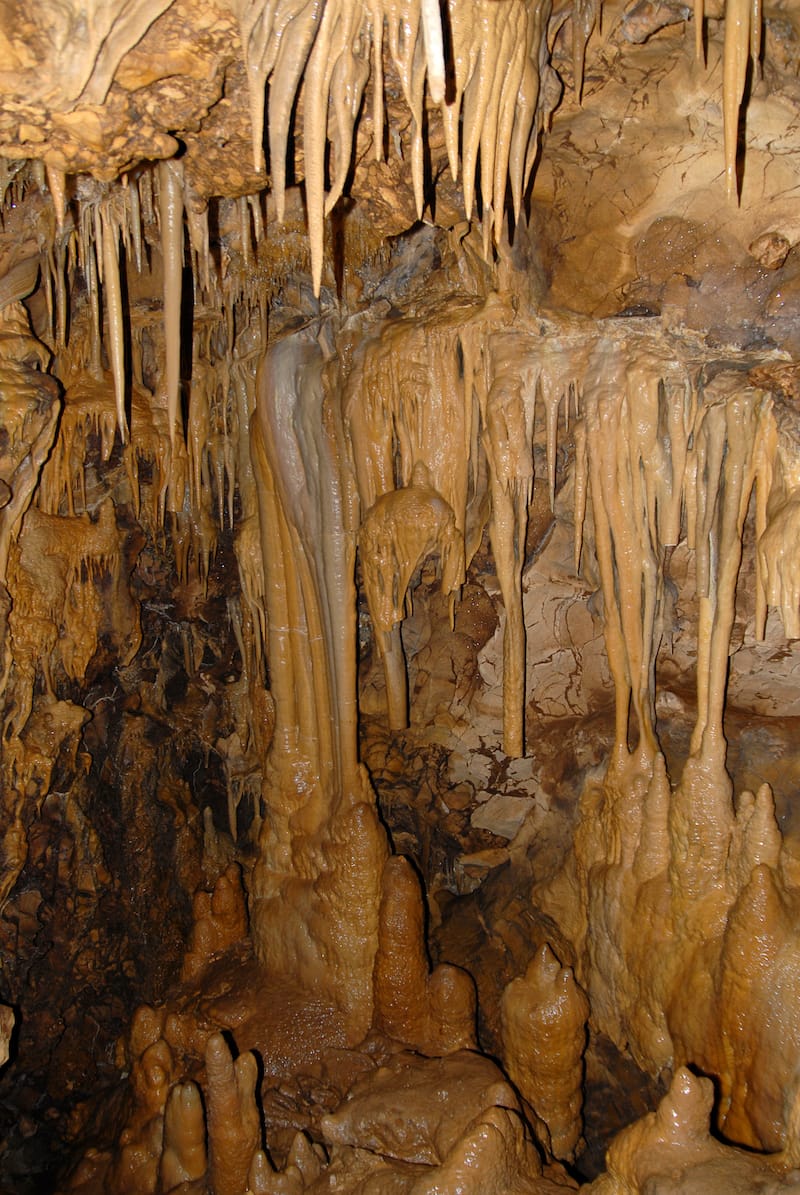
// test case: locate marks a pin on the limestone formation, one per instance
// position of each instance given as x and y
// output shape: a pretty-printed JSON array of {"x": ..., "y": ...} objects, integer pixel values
[
  {"x": 399, "y": 596},
  {"x": 544, "y": 1018},
  {"x": 432, "y": 1011}
]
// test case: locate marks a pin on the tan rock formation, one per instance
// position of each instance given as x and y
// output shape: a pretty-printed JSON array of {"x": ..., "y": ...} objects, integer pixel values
[
  {"x": 290, "y": 329},
  {"x": 431, "y": 1011},
  {"x": 673, "y": 1150},
  {"x": 6, "y": 1029},
  {"x": 544, "y": 1016},
  {"x": 220, "y": 920},
  {"x": 234, "y": 1127}
]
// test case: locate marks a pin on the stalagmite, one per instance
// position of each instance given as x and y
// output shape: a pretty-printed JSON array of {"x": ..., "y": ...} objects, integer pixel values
[
  {"x": 184, "y": 1157},
  {"x": 544, "y": 1018},
  {"x": 429, "y": 1011},
  {"x": 234, "y": 1128}
]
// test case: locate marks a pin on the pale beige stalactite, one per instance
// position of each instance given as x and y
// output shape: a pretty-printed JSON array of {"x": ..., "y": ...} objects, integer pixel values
[
  {"x": 170, "y": 205},
  {"x": 581, "y": 484},
  {"x": 464, "y": 51},
  {"x": 296, "y": 41},
  {"x": 728, "y": 426},
  {"x": 244, "y": 231},
  {"x": 56, "y": 182},
  {"x": 507, "y": 440},
  {"x": 135, "y": 223},
  {"x": 256, "y": 19},
  {"x": 405, "y": 47},
  {"x": 316, "y": 86},
  {"x": 617, "y": 539},
  {"x": 93, "y": 286},
  {"x": 756, "y": 17},
  {"x": 496, "y": 136},
  {"x": 348, "y": 80},
  {"x": 413, "y": 396},
  {"x": 584, "y": 19},
  {"x": 434, "y": 49},
  {"x": 489, "y": 27},
  {"x": 738, "y": 17},
  {"x": 197, "y": 225},
  {"x": 769, "y": 486},
  {"x": 376, "y": 18},
  {"x": 57, "y": 263},
  {"x": 632, "y": 394},
  {"x": 397, "y": 534},
  {"x": 116, "y": 330},
  {"x": 699, "y": 16},
  {"x": 526, "y": 101}
]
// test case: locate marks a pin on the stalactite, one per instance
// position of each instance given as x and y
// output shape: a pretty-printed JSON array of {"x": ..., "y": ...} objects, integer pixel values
[
  {"x": 397, "y": 533},
  {"x": 170, "y": 200},
  {"x": 508, "y": 412},
  {"x": 728, "y": 426},
  {"x": 631, "y": 479},
  {"x": 738, "y": 17},
  {"x": 584, "y": 18},
  {"x": 295, "y": 46},
  {"x": 699, "y": 15},
  {"x": 116, "y": 333}
]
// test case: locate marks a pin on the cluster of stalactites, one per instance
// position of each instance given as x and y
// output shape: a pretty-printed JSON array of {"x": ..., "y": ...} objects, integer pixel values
[
  {"x": 91, "y": 235},
  {"x": 483, "y": 69},
  {"x": 663, "y": 452},
  {"x": 453, "y": 399},
  {"x": 667, "y": 447},
  {"x": 488, "y": 72}
]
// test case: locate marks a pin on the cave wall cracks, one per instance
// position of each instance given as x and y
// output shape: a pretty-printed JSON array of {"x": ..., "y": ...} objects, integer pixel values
[{"x": 399, "y": 597}]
